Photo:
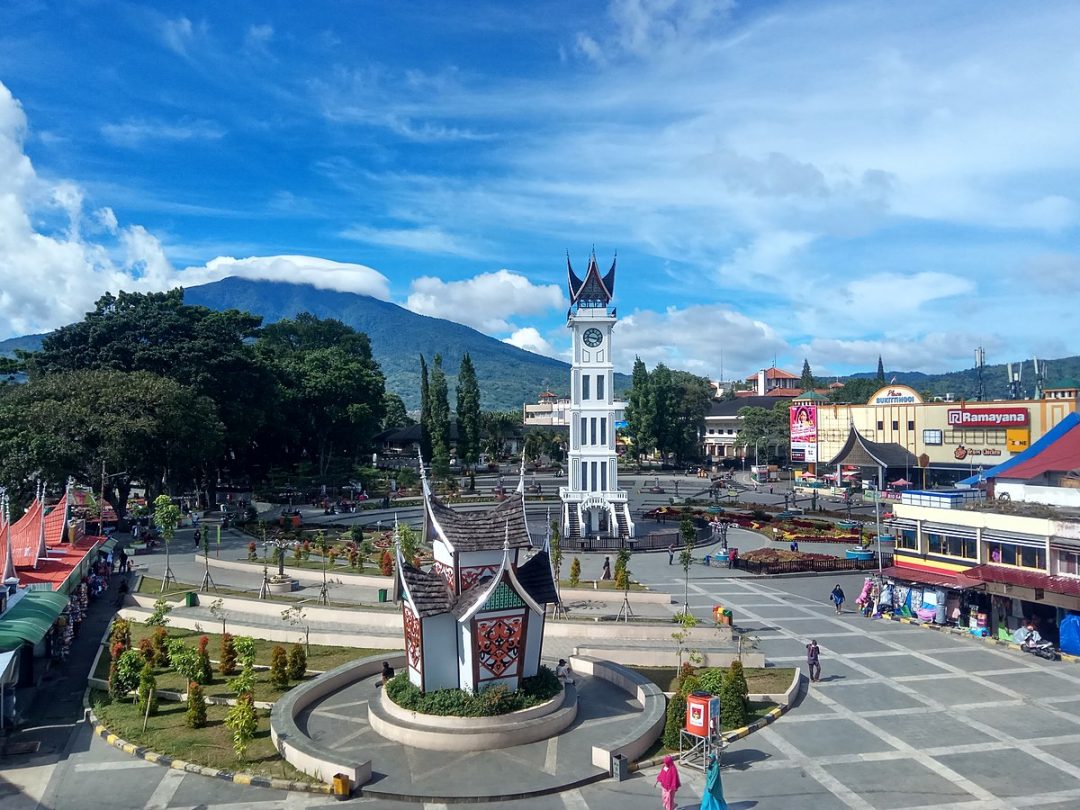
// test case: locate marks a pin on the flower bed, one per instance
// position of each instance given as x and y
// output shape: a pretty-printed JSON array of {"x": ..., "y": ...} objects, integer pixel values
[{"x": 493, "y": 700}]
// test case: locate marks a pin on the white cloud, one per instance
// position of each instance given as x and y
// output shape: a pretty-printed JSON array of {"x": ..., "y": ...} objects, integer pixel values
[
  {"x": 257, "y": 39},
  {"x": 420, "y": 240},
  {"x": 706, "y": 340},
  {"x": 321, "y": 273},
  {"x": 486, "y": 301},
  {"x": 179, "y": 34},
  {"x": 531, "y": 340},
  {"x": 137, "y": 131}
]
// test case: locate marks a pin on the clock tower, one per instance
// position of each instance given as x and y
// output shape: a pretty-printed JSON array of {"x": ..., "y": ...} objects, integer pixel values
[{"x": 592, "y": 503}]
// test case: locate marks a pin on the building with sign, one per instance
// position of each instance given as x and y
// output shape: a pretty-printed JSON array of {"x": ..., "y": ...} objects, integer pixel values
[{"x": 937, "y": 442}]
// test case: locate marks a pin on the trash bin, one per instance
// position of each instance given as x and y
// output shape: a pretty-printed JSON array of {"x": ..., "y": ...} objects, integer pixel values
[
  {"x": 620, "y": 767},
  {"x": 383, "y": 594},
  {"x": 342, "y": 787},
  {"x": 191, "y": 599}
]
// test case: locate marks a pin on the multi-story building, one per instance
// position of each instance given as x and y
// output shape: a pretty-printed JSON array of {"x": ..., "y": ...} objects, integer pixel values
[
  {"x": 722, "y": 424},
  {"x": 550, "y": 410},
  {"x": 936, "y": 442}
]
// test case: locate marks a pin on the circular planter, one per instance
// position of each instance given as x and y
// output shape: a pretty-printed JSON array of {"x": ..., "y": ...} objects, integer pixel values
[
  {"x": 282, "y": 587},
  {"x": 859, "y": 554},
  {"x": 439, "y": 733}
]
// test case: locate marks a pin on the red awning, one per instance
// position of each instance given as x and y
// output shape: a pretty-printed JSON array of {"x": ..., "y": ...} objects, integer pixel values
[
  {"x": 1020, "y": 578},
  {"x": 938, "y": 580}
]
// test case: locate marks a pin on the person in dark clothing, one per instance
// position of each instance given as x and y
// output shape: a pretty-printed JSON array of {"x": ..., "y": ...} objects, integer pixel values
[
  {"x": 198, "y": 538},
  {"x": 121, "y": 593},
  {"x": 387, "y": 672},
  {"x": 122, "y": 560},
  {"x": 813, "y": 660},
  {"x": 607, "y": 569},
  {"x": 837, "y": 597},
  {"x": 671, "y": 554}
]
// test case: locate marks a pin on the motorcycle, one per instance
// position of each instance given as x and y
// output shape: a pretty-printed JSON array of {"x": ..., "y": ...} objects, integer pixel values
[{"x": 1039, "y": 646}]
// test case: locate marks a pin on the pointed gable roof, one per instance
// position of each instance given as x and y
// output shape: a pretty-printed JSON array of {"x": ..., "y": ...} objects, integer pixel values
[
  {"x": 535, "y": 577},
  {"x": 593, "y": 290},
  {"x": 426, "y": 590},
  {"x": 483, "y": 530},
  {"x": 474, "y": 600},
  {"x": 862, "y": 452}
]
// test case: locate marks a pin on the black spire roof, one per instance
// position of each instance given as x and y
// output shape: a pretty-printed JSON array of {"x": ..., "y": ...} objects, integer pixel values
[{"x": 593, "y": 291}]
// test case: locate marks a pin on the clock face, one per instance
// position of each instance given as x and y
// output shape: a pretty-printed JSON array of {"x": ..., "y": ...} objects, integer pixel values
[{"x": 593, "y": 337}]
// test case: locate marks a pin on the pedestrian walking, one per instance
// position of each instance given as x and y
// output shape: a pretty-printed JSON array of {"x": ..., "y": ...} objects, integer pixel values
[
  {"x": 671, "y": 554},
  {"x": 198, "y": 537},
  {"x": 123, "y": 560},
  {"x": 837, "y": 597},
  {"x": 813, "y": 660},
  {"x": 794, "y": 545},
  {"x": 121, "y": 593},
  {"x": 713, "y": 797},
  {"x": 669, "y": 782},
  {"x": 607, "y": 569}
]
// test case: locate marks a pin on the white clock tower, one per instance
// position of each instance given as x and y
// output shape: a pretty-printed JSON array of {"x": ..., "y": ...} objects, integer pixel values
[{"x": 593, "y": 504}]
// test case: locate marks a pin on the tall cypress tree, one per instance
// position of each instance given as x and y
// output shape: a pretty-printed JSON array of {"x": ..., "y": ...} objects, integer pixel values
[
  {"x": 641, "y": 409},
  {"x": 880, "y": 370},
  {"x": 468, "y": 415},
  {"x": 807, "y": 381},
  {"x": 439, "y": 409},
  {"x": 425, "y": 412}
]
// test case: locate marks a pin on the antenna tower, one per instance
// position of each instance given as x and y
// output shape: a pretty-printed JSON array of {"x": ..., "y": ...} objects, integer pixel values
[
  {"x": 980, "y": 363},
  {"x": 1015, "y": 373},
  {"x": 1040, "y": 377}
]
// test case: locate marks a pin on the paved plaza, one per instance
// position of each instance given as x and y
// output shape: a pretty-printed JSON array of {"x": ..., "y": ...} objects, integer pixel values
[{"x": 903, "y": 717}]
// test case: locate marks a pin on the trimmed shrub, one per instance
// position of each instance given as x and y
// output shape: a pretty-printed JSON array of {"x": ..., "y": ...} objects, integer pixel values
[
  {"x": 147, "y": 689},
  {"x": 711, "y": 680},
  {"x": 297, "y": 662},
  {"x": 121, "y": 634},
  {"x": 487, "y": 702},
  {"x": 205, "y": 669},
  {"x": 185, "y": 660},
  {"x": 252, "y": 553},
  {"x": 676, "y": 719},
  {"x": 734, "y": 711},
  {"x": 161, "y": 646},
  {"x": 146, "y": 647},
  {"x": 124, "y": 672},
  {"x": 575, "y": 572},
  {"x": 227, "y": 658},
  {"x": 386, "y": 563},
  {"x": 196, "y": 706},
  {"x": 279, "y": 667},
  {"x": 242, "y": 720}
]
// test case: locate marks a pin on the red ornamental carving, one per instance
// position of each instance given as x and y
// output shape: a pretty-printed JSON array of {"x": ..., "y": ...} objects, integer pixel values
[
  {"x": 498, "y": 643},
  {"x": 470, "y": 576},
  {"x": 446, "y": 572},
  {"x": 413, "y": 643}
]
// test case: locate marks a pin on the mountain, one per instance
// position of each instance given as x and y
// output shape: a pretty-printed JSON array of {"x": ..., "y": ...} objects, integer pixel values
[
  {"x": 965, "y": 384},
  {"x": 30, "y": 343}
]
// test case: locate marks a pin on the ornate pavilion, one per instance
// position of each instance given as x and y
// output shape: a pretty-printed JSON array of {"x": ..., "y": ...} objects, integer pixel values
[{"x": 476, "y": 618}]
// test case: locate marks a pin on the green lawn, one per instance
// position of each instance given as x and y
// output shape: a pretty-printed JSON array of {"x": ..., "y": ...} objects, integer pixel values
[
  {"x": 151, "y": 586},
  {"x": 759, "y": 680},
  {"x": 601, "y": 585},
  {"x": 320, "y": 657},
  {"x": 168, "y": 733}
]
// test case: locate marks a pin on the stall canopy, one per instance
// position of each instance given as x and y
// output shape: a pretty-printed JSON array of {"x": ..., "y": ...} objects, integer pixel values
[{"x": 30, "y": 619}]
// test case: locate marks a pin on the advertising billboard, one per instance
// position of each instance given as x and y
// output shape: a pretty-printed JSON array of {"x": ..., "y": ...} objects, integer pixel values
[{"x": 804, "y": 438}]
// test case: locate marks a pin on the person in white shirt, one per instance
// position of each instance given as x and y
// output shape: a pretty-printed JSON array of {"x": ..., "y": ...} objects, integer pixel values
[{"x": 563, "y": 672}]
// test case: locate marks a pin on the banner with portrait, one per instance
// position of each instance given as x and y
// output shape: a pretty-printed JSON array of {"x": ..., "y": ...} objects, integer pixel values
[{"x": 804, "y": 433}]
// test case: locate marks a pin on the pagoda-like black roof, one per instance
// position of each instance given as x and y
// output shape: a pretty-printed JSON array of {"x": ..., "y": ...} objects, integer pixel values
[
  {"x": 429, "y": 591},
  {"x": 593, "y": 291},
  {"x": 859, "y": 451},
  {"x": 536, "y": 578},
  {"x": 483, "y": 531}
]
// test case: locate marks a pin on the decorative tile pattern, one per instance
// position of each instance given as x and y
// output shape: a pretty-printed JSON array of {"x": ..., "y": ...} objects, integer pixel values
[
  {"x": 472, "y": 574},
  {"x": 504, "y": 598},
  {"x": 414, "y": 644},
  {"x": 498, "y": 645}
]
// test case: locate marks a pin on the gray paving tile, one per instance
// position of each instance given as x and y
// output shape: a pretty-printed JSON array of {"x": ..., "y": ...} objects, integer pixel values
[
  {"x": 1027, "y": 721},
  {"x": 909, "y": 783},
  {"x": 971, "y": 658},
  {"x": 854, "y": 642},
  {"x": 870, "y": 697},
  {"x": 1009, "y": 773},
  {"x": 1070, "y": 752},
  {"x": 833, "y": 670},
  {"x": 782, "y": 647},
  {"x": 773, "y": 789},
  {"x": 776, "y": 611},
  {"x": 957, "y": 689},
  {"x": 829, "y": 737},
  {"x": 924, "y": 731},
  {"x": 811, "y": 705},
  {"x": 1040, "y": 684},
  {"x": 1071, "y": 706},
  {"x": 899, "y": 664}
]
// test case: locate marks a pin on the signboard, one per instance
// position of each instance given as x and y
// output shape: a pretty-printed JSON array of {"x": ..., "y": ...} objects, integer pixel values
[
  {"x": 1017, "y": 440},
  {"x": 895, "y": 395},
  {"x": 804, "y": 438},
  {"x": 988, "y": 417}
]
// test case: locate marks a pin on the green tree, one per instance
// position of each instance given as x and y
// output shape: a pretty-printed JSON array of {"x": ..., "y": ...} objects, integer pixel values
[
  {"x": 499, "y": 427},
  {"x": 641, "y": 410},
  {"x": 279, "y": 667},
  {"x": 297, "y": 662},
  {"x": 688, "y": 534},
  {"x": 855, "y": 390},
  {"x": 135, "y": 426},
  {"x": 575, "y": 572},
  {"x": 331, "y": 388},
  {"x": 806, "y": 382},
  {"x": 676, "y": 720},
  {"x": 734, "y": 711},
  {"x": 166, "y": 518},
  {"x": 243, "y": 721},
  {"x": 395, "y": 414},
  {"x": 440, "y": 420},
  {"x": 764, "y": 427},
  {"x": 622, "y": 569},
  {"x": 880, "y": 371},
  {"x": 196, "y": 706},
  {"x": 147, "y": 698},
  {"x": 207, "y": 351},
  {"x": 425, "y": 412},
  {"x": 468, "y": 416}
]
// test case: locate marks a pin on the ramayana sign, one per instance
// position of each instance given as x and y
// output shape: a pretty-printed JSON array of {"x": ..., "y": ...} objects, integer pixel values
[{"x": 988, "y": 417}]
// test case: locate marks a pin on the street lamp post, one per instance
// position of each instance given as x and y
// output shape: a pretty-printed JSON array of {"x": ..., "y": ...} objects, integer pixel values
[{"x": 877, "y": 520}]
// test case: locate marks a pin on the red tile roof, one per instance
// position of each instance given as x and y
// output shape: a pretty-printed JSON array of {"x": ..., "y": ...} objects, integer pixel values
[
  {"x": 1019, "y": 577},
  {"x": 63, "y": 559},
  {"x": 775, "y": 373},
  {"x": 790, "y": 393}
]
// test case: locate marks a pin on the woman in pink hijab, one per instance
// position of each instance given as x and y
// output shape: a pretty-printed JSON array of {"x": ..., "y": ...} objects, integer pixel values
[{"x": 669, "y": 782}]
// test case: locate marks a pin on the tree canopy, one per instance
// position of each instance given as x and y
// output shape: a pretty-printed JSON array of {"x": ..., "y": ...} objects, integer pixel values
[
  {"x": 768, "y": 426},
  {"x": 666, "y": 410},
  {"x": 468, "y": 413}
]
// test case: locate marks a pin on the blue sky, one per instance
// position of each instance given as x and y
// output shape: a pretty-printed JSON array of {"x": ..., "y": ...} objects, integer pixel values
[{"x": 823, "y": 180}]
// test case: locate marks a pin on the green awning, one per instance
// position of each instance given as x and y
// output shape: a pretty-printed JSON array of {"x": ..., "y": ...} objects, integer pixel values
[{"x": 30, "y": 619}]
